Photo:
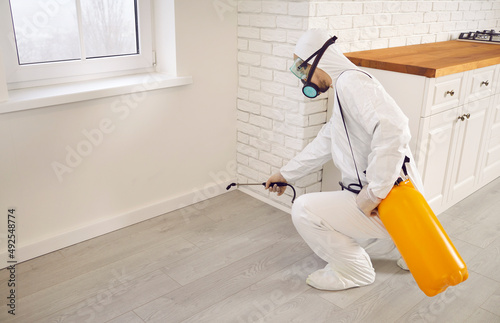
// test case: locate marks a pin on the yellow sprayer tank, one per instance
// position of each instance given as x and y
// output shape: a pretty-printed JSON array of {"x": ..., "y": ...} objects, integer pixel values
[{"x": 424, "y": 245}]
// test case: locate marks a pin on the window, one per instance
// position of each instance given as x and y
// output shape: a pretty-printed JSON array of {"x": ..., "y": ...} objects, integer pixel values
[{"x": 59, "y": 40}]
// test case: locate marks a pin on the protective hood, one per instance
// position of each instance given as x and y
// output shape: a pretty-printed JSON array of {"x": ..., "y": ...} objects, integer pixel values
[{"x": 333, "y": 61}]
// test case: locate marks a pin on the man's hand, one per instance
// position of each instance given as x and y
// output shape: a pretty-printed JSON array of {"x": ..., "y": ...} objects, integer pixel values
[
  {"x": 275, "y": 188},
  {"x": 367, "y": 202}
]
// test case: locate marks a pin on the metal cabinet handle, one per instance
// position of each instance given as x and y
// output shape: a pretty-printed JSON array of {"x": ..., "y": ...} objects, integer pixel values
[
  {"x": 464, "y": 116},
  {"x": 486, "y": 83},
  {"x": 452, "y": 93}
]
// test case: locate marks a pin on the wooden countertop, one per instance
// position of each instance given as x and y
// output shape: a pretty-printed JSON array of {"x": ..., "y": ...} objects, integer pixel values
[{"x": 430, "y": 60}]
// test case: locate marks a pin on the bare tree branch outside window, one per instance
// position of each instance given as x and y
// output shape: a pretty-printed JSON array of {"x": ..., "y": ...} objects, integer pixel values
[
  {"x": 109, "y": 27},
  {"x": 48, "y": 30}
]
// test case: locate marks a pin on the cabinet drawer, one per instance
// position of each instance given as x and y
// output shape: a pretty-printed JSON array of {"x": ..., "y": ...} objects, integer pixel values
[
  {"x": 444, "y": 93},
  {"x": 480, "y": 83},
  {"x": 447, "y": 92}
]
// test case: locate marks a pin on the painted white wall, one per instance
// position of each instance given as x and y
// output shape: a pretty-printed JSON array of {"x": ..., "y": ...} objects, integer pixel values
[
  {"x": 175, "y": 148},
  {"x": 4, "y": 94}
]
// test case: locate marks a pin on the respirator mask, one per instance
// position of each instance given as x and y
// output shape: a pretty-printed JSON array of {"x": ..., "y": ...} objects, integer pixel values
[{"x": 304, "y": 71}]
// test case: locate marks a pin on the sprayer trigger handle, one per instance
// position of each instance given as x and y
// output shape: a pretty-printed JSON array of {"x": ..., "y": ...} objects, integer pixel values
[{"x": 276, "y": 183}]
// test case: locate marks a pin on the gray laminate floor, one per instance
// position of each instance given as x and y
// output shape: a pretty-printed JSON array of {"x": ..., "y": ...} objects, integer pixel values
[{"x": 236, "y": 259}]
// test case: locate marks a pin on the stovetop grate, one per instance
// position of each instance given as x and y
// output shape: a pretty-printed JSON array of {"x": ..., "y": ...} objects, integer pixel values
[{"x": 485, "y": 36}]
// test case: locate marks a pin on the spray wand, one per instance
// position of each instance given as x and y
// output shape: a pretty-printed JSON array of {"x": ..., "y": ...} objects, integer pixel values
[{"x": 264, "y": 184}]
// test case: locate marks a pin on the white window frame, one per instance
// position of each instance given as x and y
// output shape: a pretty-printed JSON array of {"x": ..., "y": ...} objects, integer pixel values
[{"x": 24, "y": 76}]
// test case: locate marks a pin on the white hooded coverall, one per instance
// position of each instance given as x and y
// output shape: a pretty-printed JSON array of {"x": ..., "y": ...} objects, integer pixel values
[{"x": 331, "y": 222}]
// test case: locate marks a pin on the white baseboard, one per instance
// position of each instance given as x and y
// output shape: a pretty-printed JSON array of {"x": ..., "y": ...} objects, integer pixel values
[
  {"x": 266, "y": 200},
  {"x": 71, "y": 237}
]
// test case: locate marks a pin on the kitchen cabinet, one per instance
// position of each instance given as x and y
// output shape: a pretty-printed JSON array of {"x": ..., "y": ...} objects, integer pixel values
[
  {"x": 451, "y": 131},
  {"x": 453, "y": 136},
  {"x": 453, "y": 108}
]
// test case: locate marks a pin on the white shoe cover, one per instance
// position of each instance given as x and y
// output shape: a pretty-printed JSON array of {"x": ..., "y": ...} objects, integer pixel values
[
  {"x": 328, "y": 279},
  {"x": 402, "y": 264}
]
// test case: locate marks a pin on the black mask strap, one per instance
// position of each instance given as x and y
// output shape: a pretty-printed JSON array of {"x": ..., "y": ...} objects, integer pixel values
[{"x": 319, "y": 53}]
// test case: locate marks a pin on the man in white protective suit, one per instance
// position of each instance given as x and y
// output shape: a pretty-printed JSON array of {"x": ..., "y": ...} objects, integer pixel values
[{"x": 341, "y": 226}]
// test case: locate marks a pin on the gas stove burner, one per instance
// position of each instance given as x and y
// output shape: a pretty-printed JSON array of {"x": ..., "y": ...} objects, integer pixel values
[{"x": 485, "y": 36}]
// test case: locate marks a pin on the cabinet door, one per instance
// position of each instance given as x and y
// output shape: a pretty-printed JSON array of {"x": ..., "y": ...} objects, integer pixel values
[
  {"x": 491, "y": 161},
  {"x": 471, "y": 143},
  {"x": 435, "y": 152}
]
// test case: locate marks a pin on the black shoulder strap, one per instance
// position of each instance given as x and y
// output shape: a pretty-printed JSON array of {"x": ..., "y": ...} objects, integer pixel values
[
  {"x": 345, "y": 126},
  {"x": 406, "y": 160},
  {"x": 349, "y": 140}
]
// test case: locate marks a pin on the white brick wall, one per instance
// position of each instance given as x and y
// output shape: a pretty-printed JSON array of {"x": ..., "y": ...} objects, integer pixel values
[{"x": 275, "y": 121}]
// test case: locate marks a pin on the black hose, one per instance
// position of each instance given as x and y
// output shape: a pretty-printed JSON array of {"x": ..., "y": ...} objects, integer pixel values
[{"x": 264, "y": 184}]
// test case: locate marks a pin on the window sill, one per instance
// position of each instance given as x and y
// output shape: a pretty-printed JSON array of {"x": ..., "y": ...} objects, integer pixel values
[{"x": 44, "y": 96}]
